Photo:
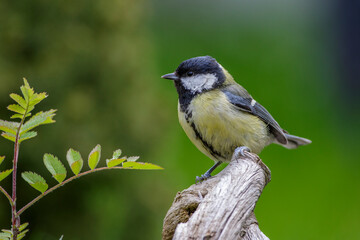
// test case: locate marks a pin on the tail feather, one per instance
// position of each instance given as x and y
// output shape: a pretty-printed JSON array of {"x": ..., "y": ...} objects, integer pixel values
[{"x": 295, "y": 141}]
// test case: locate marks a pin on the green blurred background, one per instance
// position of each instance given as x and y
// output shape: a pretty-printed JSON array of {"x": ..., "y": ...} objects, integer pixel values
[{"x": 101, "y": 62}]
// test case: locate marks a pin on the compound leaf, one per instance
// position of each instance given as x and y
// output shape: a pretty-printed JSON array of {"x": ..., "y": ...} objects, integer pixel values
[
  {"x": 140, "y": 165},
  {"x": 75, "y": 161},
  {"x": 94, "y": 157},
  {"x": 35, "y": 180},
  {"x": 55, "y": 167},
  {"x": 5, "y": 173}
]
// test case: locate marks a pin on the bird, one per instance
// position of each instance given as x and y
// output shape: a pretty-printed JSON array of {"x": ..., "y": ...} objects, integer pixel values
[{"x": 219, "y": 115}]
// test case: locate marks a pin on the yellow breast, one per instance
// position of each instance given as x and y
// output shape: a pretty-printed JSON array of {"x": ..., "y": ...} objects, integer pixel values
[{"x": 216, "y": 127}]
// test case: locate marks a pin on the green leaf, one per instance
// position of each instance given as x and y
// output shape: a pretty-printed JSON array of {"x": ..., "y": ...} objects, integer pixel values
[
  {"x": 114, "y": 162},
  {"x": 7, "y": 231},
  {"x": 10, "y": 127},
  {"x": 16, "y": 108},
  {"x": 37, "y": 97},
  {"x": 27, "y": 91},
  {"x": 55, "y": 167},
  {"x": 8, "y": 136},
  {"x": 26, "y": 83},
  {"x": 23, "y": 231},
  {"x": 35, "y": 180},
  {"x": 116, "y": 154},
  {"x": 27, "y": 136},
  {"x": 38, "y": 119},
  {"x": 2, "y": 159},
  {"x": 23, "y": 226},
  {"x": 17, "y": 116},
  {"x": 5, "y": 236},
  {"x": 30, "y": 108},
  {"x": 5, "y": 173},
  {"x": 94, "y": 157},
  {"x": 133, "y": 158},
  {"x": 20, "y": 100},
  {"x": 20, "y": 116},
  {"x": 140, "y": 165},
  {"x": 22, "y": 234},
  {"x": 75, "y": 161}
]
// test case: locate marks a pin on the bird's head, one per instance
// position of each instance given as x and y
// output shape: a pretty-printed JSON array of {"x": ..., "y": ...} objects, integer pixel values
[{"x": 197, "y": 75}]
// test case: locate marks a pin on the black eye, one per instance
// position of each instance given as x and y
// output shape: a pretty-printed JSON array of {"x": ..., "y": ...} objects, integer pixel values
[{"x": 189, "y": 74}]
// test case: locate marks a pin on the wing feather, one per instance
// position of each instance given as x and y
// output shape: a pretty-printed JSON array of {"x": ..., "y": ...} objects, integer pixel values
[{"x": 247, "y": 104}]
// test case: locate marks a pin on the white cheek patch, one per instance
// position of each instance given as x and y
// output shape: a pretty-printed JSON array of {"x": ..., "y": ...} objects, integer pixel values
[{"x": 199, "y": 82}]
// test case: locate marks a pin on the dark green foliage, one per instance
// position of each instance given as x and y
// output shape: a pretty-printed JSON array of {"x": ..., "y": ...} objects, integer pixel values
[
  {"x": 25, "y": 104},
  {"x": 101, "y": 62},
  {"x": 20, "y": 131},
  {"x": 8, "y": 234}
]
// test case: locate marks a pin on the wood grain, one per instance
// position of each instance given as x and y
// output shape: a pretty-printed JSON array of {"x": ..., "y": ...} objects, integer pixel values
[{"x": 222, "y": 207}]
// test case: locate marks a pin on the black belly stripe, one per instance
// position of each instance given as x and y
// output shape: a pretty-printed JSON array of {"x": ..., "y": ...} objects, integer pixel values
[
  {"x": 206, "y": 144},
  {"x": 188, "y": 115}
]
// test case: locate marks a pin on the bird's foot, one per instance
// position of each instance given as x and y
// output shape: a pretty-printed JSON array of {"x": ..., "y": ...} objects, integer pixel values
[
  {"x": 208, "y": 173},
  {"x": 242, "y": 150},
  {"x": 203, "y": 177}
]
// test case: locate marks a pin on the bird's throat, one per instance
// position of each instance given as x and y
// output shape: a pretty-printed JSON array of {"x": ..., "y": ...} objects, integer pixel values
[{"x": 185, "y": 96}]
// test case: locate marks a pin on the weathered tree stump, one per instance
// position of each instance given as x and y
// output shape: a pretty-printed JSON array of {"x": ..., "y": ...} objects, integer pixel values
[{"x": 222, "y": 207}]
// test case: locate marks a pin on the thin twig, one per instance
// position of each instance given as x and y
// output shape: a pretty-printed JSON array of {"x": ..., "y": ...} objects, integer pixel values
[
  {"x": 63, "y": 183},
  {"x": 6, "y": 195},
  {"x": 15, "y": 217}
]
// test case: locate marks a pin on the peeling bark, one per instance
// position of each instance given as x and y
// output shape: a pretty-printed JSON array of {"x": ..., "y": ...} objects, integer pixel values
[{"x": 222, "y": 207}]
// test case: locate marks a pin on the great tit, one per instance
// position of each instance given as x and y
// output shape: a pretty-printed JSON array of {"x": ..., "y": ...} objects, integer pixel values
[{"x": 219, "y": 115}]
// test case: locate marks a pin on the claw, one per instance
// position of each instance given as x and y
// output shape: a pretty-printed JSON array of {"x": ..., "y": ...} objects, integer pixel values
[
  {"x": 208, "y": 173},
  {"x": 203, "y": 177},
  {"x": 241, "y": 150},
  {"x": 198, "y": 179}
]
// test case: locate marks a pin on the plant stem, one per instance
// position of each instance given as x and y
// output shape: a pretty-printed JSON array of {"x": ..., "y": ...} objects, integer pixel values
[
  {"x": 7, "y": 195},
  {"x": 15, "y": 217},
  {"x": 61, "y": 184}
]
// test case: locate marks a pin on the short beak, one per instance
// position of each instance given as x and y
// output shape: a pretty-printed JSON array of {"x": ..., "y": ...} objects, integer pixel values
[{"x": 171, "y": 76}]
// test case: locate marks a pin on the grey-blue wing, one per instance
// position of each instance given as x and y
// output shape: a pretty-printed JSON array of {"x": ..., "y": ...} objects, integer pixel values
[{"x": 247, "y": 104}]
